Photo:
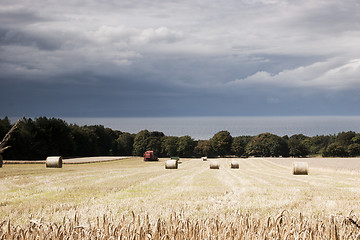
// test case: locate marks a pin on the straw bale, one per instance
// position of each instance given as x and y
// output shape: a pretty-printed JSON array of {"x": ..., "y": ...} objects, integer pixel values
[
  {"x": 204, "y": 158},
  {"x": 234, "y": 164},
  {"x": 171, "y": 164},
  {"x": 300, "y": 168},
  {"x": 214, "y": 164},
  {"x": 54, "y": 162}
]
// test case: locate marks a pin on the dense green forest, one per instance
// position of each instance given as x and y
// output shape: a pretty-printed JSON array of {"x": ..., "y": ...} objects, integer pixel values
[{"x": 42, "y": 137}]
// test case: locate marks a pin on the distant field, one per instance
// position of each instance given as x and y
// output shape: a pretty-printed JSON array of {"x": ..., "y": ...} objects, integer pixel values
[
  {"x": 260, "y": 188},
  {"x": 347, "y": 164}
]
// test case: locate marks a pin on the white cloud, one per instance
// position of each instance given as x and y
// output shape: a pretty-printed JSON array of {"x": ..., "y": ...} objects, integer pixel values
[
  {"x": 120, "y": 35},
  {"x": 160, "y": 35},
  {"x": 134, "y": 36},
  {"x": 346, "y": 76},
  {"x": 333, "y": 74}
]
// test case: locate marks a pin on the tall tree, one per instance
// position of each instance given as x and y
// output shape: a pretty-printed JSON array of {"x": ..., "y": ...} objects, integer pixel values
[
  {"x": 353, "y": 150},
  {"x": 266, "y": 145},
  {"x": 335, "y": 150},
  {"x": 203, "y": 148},
  {"x": 125, "y": 144},
  {"x": 186, "y": 146},
  {"x": 145, "y": 140},
  {"x": 53, "y": 137},
  {"x": 297, "y": 146},
  {"x": 317, "y": 144},
  {"x": 344, "y": 138},
  {"x": 141, "y": 142},
  {"x": 169, "y": 146},
  {"x": 221, "y": 143},
  {"x": 238, "y": 146}
]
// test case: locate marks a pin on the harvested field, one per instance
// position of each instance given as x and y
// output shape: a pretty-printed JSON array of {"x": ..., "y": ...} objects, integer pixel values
[
  {"x": 99, "y": 197},
  {"x": 352, "y": 164}
]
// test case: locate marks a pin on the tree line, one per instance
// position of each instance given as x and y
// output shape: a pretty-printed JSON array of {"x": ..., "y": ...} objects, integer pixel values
[{"x": 42, "y": 137}]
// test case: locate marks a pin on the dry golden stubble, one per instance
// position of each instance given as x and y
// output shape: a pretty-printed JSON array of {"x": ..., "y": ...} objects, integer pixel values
[{"x": 179, "y": 226}]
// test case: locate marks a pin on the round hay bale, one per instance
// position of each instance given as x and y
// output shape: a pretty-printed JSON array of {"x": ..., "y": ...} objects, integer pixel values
[
  {"x": 214, "y": 165},
  {"x": 204, "y": 158},
  {"x": 300, "y": 168},
  {"x": 1, "y": 161},
  {"x": 54, "y": 162},
  {"x": 234, "y": 165},
  {"x": 171, "y": 164}
]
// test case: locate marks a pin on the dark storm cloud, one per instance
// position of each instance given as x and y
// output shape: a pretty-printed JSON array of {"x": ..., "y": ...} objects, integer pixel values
[
  {"x": 122, "y": 58},
  {"x": 122, "y": 99}
]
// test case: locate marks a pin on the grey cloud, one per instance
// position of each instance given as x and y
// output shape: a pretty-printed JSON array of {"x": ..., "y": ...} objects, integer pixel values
[
  {"x": 195, "y": 58},
  {"x": 129, "y": 96},
  {"x": 20, "y": 16},
  {"x": 330, "y": 17},
  {"x": 19, "y": 37}
]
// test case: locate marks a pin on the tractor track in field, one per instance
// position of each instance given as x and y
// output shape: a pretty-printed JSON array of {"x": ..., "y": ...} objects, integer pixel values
[
  {"x": 322, "y": 175},
  {"x": 267, "y": 177},
  {"x": 280, "y": 174}
]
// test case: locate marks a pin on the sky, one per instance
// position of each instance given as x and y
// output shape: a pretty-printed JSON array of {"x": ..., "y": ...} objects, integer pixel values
[{"x": 137, "y": 58}]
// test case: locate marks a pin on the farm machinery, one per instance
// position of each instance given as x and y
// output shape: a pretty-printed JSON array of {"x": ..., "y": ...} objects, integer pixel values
[{"x": 149, "y": 156}]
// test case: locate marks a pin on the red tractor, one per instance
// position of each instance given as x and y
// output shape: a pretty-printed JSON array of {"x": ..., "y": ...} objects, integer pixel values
[{"x": 149, "y": 156}]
